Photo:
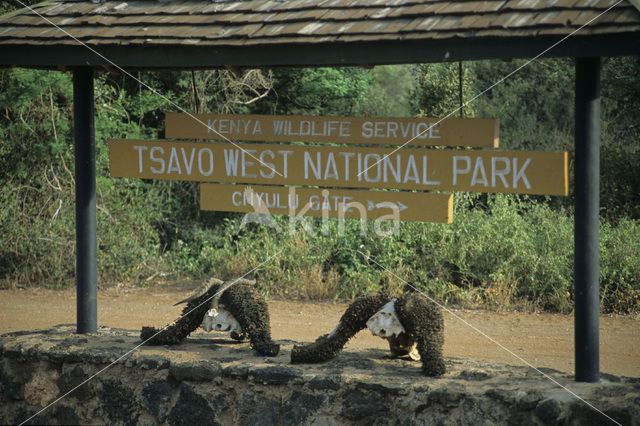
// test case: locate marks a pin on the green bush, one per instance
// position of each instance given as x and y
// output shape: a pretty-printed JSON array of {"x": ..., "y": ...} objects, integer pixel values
[
  {"x": 37, "y": 187},
  {"x": 619, "y": 266},
  {"x": 513, "y": 254},
  {"x": 619, "y": 182}
]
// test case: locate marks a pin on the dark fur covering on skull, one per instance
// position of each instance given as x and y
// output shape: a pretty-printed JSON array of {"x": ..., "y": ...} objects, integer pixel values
[
  {"x": 244, "y": 302},
  {"x": 421, "y": 319},
  {"x": 353, "y": 320}
]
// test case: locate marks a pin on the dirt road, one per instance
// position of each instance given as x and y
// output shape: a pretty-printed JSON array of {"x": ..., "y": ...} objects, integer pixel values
[{"x": 544, "y": 340}]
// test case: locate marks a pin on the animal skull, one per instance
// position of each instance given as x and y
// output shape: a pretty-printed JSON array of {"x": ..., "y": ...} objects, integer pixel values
[
  {"x": 386, "y": 324},
  {"x": 221, "y": 320}
]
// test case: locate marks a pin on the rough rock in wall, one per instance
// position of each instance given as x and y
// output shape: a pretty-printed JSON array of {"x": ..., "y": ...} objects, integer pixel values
[{"x": 213, "y": 381}]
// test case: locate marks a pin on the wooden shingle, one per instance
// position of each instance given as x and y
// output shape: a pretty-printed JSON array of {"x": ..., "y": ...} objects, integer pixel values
[{"x": 278, "y": 25}]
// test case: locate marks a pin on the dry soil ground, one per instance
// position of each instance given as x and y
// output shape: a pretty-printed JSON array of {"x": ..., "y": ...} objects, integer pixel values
[{"x": 544, "y": 340}]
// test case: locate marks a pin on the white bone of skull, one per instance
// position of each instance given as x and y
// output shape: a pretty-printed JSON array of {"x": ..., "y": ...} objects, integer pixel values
[
  {"x": 385, "y": 323},
  {"x": 220, "y": 320}
]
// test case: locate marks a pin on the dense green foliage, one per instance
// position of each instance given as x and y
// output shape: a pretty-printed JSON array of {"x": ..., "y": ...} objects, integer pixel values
[
  {"x": 7, "y": 6},
  {"x": 514, "y": 254},
  {"x": 500, "y": 252}
]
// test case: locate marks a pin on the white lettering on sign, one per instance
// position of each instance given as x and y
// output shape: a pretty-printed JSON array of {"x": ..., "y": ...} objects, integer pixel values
[
  {"x": 188, "y": 163},
  {"x": 305, "y": 128},
  {"x": 479, "y": 174},
  {"x": 246, "y": 163},
  {"x": 229, "y": 127},
  {"x": 411, "y": 172},
  {"x": 331, "y": 171},
  {"x": 504, "y": 172},
  {"x": 270, "y": 200},
  {"x": 371, "y": 162},
  {"x": 174, "y": 163},
  {"x": 202, "y": 161},
  {"x": 425, "y": 174},
  {"x": 372, "y": 167},
  {"x": 420, "y": 131},
  {"x": 325, "y": 166},
  {"x": 518, "y": 174},
  {"x": 309, "y": 164},
  {"x": 395, "y": 130},
  {"x": 299, "y": 202},
  {"x": 179, "y": 159},
  {"x": 291, "y": 201},
  {"x": 140, "y": 149},
  {"x": 269, "y": 165},
  {"x": 236, "y": 159},
  {"x": 415, "y": 169},
  {"x": 457, "y": 170},
  {"x": 325, "y": 128},
  {"x": 285, "y": 163},
  {"x": 231, "y": 161},
  {"x": 158, "y": 160}
]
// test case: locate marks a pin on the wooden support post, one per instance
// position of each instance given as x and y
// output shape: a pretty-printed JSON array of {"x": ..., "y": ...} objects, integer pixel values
[
  {"x": 85, "y": 174},
  {"x": 587, "y": 200}
]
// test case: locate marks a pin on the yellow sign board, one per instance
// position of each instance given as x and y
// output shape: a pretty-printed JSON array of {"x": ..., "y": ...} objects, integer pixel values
[
  {"x": 473, "y": 132},
  {"x": 545, "y": 173},
  {"x": 405, "y": 206}
]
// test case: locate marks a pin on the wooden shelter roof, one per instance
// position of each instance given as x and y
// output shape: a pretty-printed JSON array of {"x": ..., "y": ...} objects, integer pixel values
[{"x": 206, "y": 33}]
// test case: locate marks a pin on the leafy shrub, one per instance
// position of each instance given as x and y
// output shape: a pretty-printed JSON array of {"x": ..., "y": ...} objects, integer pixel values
[{"x": 619, "y": 266}]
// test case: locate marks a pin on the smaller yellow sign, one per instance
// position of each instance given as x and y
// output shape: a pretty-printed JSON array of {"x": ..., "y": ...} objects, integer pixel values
[
  {"x": 321, "y": 202},
  {"x": 474, "y": 132}
]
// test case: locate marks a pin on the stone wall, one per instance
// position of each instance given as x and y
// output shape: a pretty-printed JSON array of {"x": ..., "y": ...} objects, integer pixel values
[{"x": 216, "y": 381}]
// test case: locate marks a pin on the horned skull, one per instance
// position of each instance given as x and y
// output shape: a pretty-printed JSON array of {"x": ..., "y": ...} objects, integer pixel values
[
  {"x": 219, "y": 319},
  {"x": 386, "y": 324}
]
